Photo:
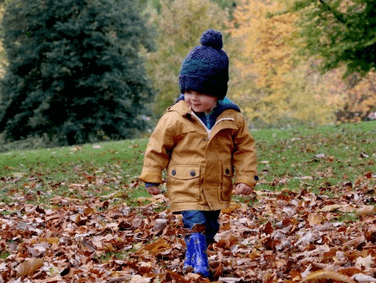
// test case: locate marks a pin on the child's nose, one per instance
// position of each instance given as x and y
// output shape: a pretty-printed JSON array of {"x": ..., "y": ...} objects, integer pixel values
[{"x": 194, "y": 96}]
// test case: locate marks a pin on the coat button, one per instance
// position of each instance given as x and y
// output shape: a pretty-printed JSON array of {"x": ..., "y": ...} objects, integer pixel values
[
  {"x": 204, "y": 139},
  {"x": 227, "y": 171},
  {"x": 193, "y": 173},
  {"x": 256, "y": 178},
  {"x": 173, "y": 172}
]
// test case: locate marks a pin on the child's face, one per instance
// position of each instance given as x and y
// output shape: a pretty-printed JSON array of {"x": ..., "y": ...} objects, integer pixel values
[{"x": 200, "y": 102}]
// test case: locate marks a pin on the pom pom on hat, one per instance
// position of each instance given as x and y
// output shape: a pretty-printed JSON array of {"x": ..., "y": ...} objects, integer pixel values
[
  {"x": 212, "y": 38},
  {"x": 205, "y": 69}
]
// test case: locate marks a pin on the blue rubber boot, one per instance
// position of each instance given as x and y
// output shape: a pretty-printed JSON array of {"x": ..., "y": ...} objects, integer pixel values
[
  {"x": 197, "y": 257},
  {"x": 188, "y": 255}
]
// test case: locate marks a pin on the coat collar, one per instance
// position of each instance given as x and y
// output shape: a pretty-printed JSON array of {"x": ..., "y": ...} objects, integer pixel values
[
  {"x": 184, "y": 109},
  {"x": 181, "y": 107}
]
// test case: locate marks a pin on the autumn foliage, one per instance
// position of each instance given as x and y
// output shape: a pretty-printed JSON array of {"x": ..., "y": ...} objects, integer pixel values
[
  {"x": 275, "y": 81},
  {"x": 289, "y": 236},
  {"x": 276, "y": 71}
]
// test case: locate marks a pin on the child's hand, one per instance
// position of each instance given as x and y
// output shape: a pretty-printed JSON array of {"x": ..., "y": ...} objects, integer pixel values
[
  {"x": 153, "y": 190},
  {"x": 243, "y": 189}
]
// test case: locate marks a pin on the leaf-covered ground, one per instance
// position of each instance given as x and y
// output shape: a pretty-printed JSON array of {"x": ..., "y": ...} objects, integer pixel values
[
  {"x": 84, "y": 222},
  {"x": 284, "y": 238}
]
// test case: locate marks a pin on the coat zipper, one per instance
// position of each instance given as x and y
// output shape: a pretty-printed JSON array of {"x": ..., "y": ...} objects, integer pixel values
[{"x": 206, "y": 128}]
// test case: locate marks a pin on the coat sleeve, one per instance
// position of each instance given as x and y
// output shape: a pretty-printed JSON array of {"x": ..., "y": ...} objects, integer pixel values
[
  {"x": 245, "y": 157},
  {"x": 157, "y": 154}
]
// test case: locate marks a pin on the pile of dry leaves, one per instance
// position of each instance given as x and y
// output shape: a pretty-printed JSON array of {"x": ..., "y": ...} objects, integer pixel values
[{"x": 281, "y": 237}]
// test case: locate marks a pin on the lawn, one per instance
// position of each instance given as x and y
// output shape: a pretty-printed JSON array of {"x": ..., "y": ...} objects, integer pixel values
[{"x": 79, "y": 214}]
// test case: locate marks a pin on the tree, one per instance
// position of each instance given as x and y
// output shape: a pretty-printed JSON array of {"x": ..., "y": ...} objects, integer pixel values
[
  {"x": 272, "y": 82},
  {"x": 180, "y": 24},
  {"x": 2, "y": 51},
  {"x": 74, "y": 71},
  {"x": 341, "y": 32}
]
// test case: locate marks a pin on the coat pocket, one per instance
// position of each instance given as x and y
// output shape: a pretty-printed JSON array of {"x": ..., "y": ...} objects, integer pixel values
[
  {"x": 227, "y": 173},
  {"x": 184, "y": 183}
]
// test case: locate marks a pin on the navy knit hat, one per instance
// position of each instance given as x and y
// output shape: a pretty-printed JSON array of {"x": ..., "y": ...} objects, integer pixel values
[{"x": 205, "y": 69}]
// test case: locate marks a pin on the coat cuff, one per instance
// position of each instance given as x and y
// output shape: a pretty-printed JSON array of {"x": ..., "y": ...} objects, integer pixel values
[
  {"x": 250, "y": 181},
  {"x": 151, "y": 177}
]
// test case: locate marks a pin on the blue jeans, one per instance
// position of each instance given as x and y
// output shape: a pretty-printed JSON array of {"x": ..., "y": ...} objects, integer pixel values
[{"x": 207, "y": 218}]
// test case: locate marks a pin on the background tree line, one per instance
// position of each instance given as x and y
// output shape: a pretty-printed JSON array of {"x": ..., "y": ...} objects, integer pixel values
[{"x": 86, "y": 70}]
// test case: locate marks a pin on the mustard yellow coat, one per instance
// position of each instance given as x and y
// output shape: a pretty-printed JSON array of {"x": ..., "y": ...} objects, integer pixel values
[{"x": 201, "y": 164}]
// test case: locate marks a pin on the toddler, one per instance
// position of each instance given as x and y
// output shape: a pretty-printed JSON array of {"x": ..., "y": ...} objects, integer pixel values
[{"x": 204, "y": 143}]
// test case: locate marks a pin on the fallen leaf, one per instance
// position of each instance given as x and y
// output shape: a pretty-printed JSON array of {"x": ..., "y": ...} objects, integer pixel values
[
  {"x": 327, "y": 274},
  {"x": 139, "y": 279},
  {"x": 314, "y": 219},
  {"x": 29, "y": 267},
  {"x": 365, "y": 262},
  {"x": 320, "y": 155},
  {"x": 157, "y": 247},
  {"x": 330, "y": 208},
  {"x": 18, "y": 174},
  {"x": 359, "y": 277},
  {"x": 366, "y": 210}
]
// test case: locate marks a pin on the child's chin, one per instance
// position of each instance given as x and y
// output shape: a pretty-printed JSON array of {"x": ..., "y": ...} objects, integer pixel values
[{"x": 197, "y": 109}]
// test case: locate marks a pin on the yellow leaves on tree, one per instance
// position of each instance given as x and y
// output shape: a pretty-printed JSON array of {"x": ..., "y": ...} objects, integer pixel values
[
  {"x": 274, "y": 85},
  {"x": 352, "y": 99},
  {"x": 269, "y": 41}
]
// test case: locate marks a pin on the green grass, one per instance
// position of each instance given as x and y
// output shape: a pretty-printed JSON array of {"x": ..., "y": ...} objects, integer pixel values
[
  {"x": 4, "y": 255},
  {"x": 320, "y": 159},
  {"x": 316, "y": 158},
  {"x": 347, "y": 218},
  {"x": 93, "y": 170},
  {"x": 107, "y": 153}
]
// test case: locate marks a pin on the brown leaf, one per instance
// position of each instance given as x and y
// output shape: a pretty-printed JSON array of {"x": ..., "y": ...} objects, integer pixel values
[
  {"x": 330, "y": 254},
  {"x": 268, "y": 228},
  {"x": 29, "y": 267},
  {"x": 330, "y": 208},
  {"x": 139, "y": 279},
  {"x": 159, "y": 225},
  {"x": 218, "y": 270},
  {"x": 370, "y": 234},
  {"x": 52, "y": 240},
  {"x": 89, "y": 211},
  {"x": 233, "y": 206},
  {"x": 314, "y": 218},
  {"x": 368, "y": 175},
  {"x": 350, "y": 271},
  {"x": 157, "y": 247},
  {"x": 327, "y": 274},
  {"x": 366, "y": 210},
  {"x": 226, "y": 240}
]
